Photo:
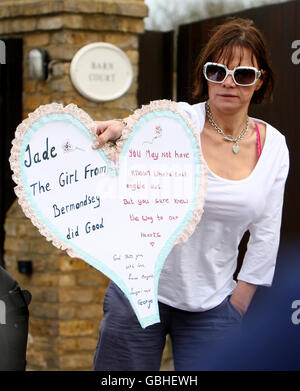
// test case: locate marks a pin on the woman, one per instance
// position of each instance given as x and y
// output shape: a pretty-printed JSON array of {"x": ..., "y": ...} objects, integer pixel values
[{"x": 248, "y": 164}]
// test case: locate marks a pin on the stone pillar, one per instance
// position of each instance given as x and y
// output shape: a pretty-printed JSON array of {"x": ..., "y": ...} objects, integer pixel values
[
  {"x": 62, "y": 27},
  {"x": 67, "y": 294}
]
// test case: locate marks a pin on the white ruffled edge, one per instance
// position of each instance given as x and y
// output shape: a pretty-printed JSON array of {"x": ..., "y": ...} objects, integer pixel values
[
  {"x": 14, "y": 160},
  {"x": 113, "y": 154}
]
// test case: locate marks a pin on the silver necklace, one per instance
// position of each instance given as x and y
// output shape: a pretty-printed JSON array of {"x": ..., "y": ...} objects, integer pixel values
[{"x": 227, "y": 137}]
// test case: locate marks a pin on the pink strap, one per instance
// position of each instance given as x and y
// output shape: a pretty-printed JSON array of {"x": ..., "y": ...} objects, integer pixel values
[{"x": 258, "y": 141}]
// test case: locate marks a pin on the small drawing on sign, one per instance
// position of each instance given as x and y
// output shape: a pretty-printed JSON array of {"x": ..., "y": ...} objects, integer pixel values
[
  {"x": 157, "y": 134},
  {"x": 67, "y": 147}
]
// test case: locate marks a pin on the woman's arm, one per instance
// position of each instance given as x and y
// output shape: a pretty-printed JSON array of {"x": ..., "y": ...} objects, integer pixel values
[
  {"x": 111, "y": 130},
  {"x": 260, "y": 258}
]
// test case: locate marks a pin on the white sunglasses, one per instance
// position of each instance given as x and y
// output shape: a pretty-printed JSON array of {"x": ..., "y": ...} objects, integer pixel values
[{"x": 242, "y": 76}]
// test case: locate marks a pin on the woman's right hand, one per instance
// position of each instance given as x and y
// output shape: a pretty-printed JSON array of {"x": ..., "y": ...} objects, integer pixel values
[{"x": 107, "y": 131}]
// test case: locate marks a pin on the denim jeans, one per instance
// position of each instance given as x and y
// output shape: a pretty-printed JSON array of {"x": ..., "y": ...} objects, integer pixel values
[{"x": 123, "y": 345}]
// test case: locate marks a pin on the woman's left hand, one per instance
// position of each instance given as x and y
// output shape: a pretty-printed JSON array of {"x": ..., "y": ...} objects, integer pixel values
[
  {"x": 242, "y": 296},
  {"x": 237, "y": 306}
]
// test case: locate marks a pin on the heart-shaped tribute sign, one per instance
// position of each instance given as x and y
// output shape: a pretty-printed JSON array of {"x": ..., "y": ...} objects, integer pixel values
[{"x": 120, "y": 208}]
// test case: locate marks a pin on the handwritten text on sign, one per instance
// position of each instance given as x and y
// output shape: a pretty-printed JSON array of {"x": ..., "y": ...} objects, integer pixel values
[{"x": 122, "y": 218}]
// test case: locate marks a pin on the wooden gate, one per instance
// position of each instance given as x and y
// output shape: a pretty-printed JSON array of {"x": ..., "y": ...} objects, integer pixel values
[
  {"x": 10, "y": 117},
  {"x": 155, "y": 80}
]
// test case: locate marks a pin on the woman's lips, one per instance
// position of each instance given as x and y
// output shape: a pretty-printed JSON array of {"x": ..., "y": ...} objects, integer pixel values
[{"x": 228, "y": 96}]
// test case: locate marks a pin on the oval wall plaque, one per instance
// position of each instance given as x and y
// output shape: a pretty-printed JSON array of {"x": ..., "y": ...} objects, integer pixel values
[{"x": 101, "y": 72}]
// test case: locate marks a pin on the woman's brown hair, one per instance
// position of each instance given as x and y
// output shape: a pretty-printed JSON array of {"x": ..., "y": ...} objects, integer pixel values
[{"x": 236, "y": 32}]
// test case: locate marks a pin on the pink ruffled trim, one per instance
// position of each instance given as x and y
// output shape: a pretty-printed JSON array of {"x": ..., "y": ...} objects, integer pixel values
[{"x": 14, "y": 160}]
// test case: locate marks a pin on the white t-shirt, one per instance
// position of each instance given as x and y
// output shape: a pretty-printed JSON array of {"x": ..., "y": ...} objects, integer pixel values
[{"x": 198, "y": 275}]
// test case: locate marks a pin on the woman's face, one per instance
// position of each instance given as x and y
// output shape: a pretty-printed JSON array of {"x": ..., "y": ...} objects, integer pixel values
[{"x": 228, "y": 96}]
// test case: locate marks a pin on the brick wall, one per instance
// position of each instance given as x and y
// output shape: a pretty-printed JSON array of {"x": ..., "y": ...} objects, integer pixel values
[{"x": 67, "y": 294}]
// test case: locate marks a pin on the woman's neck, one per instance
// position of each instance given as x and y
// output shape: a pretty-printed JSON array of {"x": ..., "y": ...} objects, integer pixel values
[{"x": 231, "y": 122}]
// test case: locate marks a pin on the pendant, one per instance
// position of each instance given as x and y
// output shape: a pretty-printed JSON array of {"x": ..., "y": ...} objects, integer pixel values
[{"x": 235, "y": 148}]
